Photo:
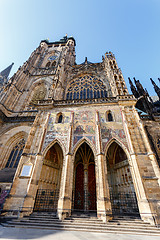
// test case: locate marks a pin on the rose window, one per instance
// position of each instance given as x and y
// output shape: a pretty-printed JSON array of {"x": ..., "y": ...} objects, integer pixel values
[{"x": 86, "y": 87}]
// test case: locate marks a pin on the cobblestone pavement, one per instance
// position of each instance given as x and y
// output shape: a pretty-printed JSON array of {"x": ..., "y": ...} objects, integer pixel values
[{"x": 22, "y": 233}]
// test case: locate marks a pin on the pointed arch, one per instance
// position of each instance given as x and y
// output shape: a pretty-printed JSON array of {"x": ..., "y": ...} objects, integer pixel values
[
  {"x": 124, "y": 148},
  {"x": 10, "y": 144},
  {"x": 50, "y": 178},
  {"x": 84, "y": 175},
  {"x": 59, "y": 118},
  {"x": 120, "y": 179},
  {"x": 109, "y": 116},
  {"x": 51, "y": 144},
  {"x": 35, "y": 84},
  {"x": 80, "y": 142}
]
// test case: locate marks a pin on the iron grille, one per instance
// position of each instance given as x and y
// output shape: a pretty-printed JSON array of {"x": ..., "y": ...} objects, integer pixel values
[
  {"x": 46, "y": 200},
  {"x": 79, "y": 203},
  {"x": 124, "y": 203}
]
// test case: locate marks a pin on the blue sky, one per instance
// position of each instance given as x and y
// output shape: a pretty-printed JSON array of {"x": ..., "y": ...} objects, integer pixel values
[{"x": 128, "y": 28}]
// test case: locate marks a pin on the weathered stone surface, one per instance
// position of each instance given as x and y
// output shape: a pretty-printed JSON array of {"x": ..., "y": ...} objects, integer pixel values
[{"x": 74, "y": 106}]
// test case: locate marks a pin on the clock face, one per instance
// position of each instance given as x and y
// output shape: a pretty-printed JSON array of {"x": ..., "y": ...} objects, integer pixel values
[{"x": 51, "y": 58}]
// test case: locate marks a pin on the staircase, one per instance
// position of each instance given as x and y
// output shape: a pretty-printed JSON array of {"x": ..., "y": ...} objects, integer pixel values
[{"x": 84, "y": 223}]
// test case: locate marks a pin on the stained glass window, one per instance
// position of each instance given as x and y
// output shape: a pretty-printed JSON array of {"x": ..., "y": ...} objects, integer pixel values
[
  {"x": 86, "y": 87},
  {"x": 15, "y": 155}
]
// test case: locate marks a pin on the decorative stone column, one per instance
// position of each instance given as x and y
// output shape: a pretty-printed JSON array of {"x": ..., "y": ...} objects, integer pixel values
[
  {"x": 104, "y": 211},
  {"x": 85, "y": 187},
  {"x": 144, "y": 206},
  {"x": 65, "y": 199}
]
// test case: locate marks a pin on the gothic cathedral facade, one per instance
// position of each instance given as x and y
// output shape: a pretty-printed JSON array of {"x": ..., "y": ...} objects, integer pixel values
[{"x": 71, "y": 139}]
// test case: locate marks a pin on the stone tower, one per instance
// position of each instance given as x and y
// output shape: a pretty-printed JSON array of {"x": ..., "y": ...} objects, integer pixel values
[{"x": 84, "y": 146}]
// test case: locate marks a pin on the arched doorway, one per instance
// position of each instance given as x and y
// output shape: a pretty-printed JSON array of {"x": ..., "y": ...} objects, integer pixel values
[
  {"x": 122, "y": 193},
  {"x": 49, "y": 182},
  {"x": 84, "y": 189}
]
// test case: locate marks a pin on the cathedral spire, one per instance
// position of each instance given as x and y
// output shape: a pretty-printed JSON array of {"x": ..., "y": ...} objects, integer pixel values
[
  {"x": 156, "y": 88},
  {"x": 147, "y": 94},
  {"x": 139, "y": 87},
  {"x": 133, "y": 89},
  {"x": 5, "y": 73}
]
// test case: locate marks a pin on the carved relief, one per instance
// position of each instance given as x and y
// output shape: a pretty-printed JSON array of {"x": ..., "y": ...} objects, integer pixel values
[{"x": 39, "y": 93}]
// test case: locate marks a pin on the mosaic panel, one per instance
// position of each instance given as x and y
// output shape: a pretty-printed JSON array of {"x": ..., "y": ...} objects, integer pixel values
[
  {"x": 108, "y": 133},
  {"x": 57, "y": 130},
  {"x": 77, "y": 138},
  {"x": 84, "y": 126},
  {"x": 84, "y": 117},
  {"x": 83, "y": 129}
]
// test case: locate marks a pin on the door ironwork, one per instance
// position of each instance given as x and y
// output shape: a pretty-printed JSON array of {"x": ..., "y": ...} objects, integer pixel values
[
  {"x": 46, "y": 200},
  {"x": 124, "y": 204}
]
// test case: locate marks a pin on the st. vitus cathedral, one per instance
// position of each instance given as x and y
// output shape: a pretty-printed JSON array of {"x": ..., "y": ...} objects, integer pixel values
[{"x": 72, "y": 138}]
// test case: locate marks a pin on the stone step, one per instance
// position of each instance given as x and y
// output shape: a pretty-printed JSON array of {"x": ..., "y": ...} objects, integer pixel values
[
  {"x": 86, "y": 221},
  {"x": 49, "y": 217},
  {"x": 83, "y": 223},
  {"x": 132, "y": 225},
  {"x": 68, "y": 219},
  {"x": 106, "y": 229}
]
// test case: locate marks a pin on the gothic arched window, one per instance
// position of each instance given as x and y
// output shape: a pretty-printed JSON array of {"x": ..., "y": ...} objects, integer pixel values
[
  {"x": 86, "y": 87},
  {"x": 48, "y": 65},
  {"x": 15, "y": 155},
  {"x": 109, "y": 117},
  {"x": 59, "y": 118},
  {"x": 54, "y": 64}
]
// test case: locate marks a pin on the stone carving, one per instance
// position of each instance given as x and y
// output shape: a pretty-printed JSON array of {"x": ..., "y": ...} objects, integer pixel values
[{"x": 39, "y": 94}]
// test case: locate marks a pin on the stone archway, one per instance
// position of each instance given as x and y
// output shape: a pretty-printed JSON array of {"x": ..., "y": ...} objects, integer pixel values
[
  {"x": 84, "y": 184},
  {"x": 49, "y": 183},
  {"x": 122, "y": 192}
]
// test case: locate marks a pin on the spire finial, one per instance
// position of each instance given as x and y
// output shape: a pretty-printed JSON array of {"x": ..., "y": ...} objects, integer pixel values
[
  {"x": 133, "y": 89},
  {"x": 5, "y": 73},
  {"x": 156, "y": 88}
]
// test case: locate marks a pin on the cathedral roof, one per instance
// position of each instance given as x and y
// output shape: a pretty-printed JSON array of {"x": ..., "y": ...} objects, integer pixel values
[{"x": 61, "y": 41}]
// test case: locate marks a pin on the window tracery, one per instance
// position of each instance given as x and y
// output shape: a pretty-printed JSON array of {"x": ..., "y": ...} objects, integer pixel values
[
  {"x": 39, "y": 93},
  {"x": 53, "y": 64},
  {"x": 86, "y": 87},
  {"x": 48, "y": 64},
  {"x": 15, "y": 155}
]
